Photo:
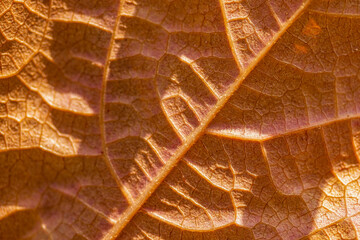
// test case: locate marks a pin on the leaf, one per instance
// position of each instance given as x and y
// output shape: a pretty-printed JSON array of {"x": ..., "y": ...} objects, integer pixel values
[{"x": 187, "y": 119}]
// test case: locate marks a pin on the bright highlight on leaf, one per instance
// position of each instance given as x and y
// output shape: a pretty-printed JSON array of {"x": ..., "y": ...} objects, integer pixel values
[{"x": 179, "y": 119}]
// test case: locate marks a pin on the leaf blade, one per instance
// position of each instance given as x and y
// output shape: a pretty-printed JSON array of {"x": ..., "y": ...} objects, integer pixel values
[{"x": 194, "y": 136}]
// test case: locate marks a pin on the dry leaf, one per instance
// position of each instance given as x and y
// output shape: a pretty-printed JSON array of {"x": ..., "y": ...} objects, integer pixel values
[{"x": 179, "y": 119}]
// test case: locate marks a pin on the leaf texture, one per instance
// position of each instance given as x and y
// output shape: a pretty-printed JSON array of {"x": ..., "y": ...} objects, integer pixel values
[{"x": 186, "y": 119}]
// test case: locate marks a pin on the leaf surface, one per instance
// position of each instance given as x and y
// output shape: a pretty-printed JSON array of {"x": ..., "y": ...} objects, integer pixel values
[{"x": 189, "y": 119}]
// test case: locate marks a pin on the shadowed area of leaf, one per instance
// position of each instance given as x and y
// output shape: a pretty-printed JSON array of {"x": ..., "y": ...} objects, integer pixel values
[
  {"x": 20, "y": 224},
  {"x": 53, "y": 99},
  {"x": 65, "y": 195}
]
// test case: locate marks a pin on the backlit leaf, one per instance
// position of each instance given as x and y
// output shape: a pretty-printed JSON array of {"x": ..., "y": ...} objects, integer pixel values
[{"x": 179, "y": 119}]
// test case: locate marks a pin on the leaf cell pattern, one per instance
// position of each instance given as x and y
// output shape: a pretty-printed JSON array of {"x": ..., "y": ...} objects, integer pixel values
[{"x": 186, "y": 119}]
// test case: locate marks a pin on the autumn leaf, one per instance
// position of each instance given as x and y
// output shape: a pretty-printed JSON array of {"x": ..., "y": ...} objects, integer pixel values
[{"x": 179, "y": 119}]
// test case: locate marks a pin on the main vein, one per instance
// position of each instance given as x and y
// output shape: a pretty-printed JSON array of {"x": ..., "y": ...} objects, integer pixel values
[{"x": 194, "y": 136}]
